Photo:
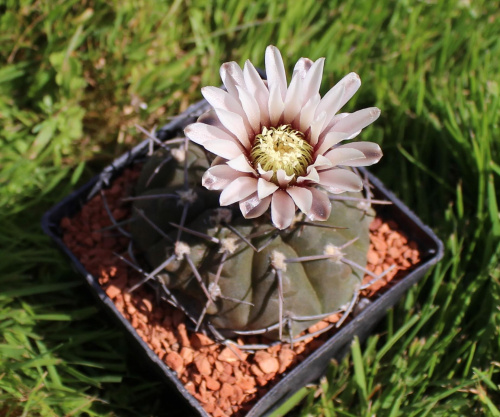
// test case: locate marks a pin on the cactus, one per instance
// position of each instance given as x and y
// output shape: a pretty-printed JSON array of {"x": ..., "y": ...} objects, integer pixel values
[
  {"x": 243, "y": 280},
  {"x": 254, "y": 270}
]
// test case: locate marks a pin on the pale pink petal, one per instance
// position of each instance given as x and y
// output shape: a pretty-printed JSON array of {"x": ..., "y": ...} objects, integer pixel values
[
  {"x": 321, "y": 162},
  {"x": 265, "y": 188},
  {"x": 283, "y": 178},
  {"x": 352, "y": 82},
  {"x": 267, "y": 175},
  {"x": 321, "y": 206},
  {"x": 218, "y": 98},
  {"x": 223, "y": 148},
  {"x": 312, "y": 82},
  {"x": 251, "y": 109},
  {"x": 256, "y": 85},
  {"x": 275, "y": 70},
  {"x": 307, "y": 112},
  {"x": 356, "y": 121},
  {"x": 317, "y": 128},
  {"x": 222, "y": 100},
  {"x": 301, "y": 196},
  {"x": 353, "y": 135},
  {"x": 371, "y": 152},
  {"x": 252, "y": 206},
  {"x": 232, "y": 77},
  {"x": 340, "y": 94},
  {"x": 340, "y": 180},
  {"x": 344, "y": 156},
  {"x": 293, "y": 100},
  {"x": 282, "y": 209},
  {"x": 241, "y": 164},
  {"x": 330, "y": 103},
  {"x": 276, "y": 105},
  {"x": 218, "y": 177},
  {"x": 234, "y": 123},
  {"x": 201, "y": 132},
  {"x": 237, "y": 190},
  {"x": 301, "y": 67},
  {"x": 330, "y": 127},
  {"x": 211, "y": 118},
  {"x": 311, "y": 177},
  {"x": 331, "y": 139}
]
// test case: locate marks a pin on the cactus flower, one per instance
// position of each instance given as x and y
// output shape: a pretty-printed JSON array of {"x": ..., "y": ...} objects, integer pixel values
[{"x": 279, "y": 145}]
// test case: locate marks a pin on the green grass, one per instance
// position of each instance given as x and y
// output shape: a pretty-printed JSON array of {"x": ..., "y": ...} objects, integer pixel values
[{"x": 72, "y": 77}]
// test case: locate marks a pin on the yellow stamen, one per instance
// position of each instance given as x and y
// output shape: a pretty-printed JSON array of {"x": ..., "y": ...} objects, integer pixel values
[{"x": 282, "y": 148}]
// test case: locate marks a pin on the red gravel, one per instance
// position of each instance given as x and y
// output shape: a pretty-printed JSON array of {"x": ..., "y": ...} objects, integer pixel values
[{"x": 225, "y": 381}]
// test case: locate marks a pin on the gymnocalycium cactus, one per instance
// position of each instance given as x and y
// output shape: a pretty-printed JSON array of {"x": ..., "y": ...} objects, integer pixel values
[{"x": 248, "y": 269}]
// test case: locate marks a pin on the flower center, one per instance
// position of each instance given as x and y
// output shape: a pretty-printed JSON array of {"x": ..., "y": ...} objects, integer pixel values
[{"x": 282, "y": 148}]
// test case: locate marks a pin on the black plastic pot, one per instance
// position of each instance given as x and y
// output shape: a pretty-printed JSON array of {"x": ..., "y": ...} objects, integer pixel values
[{"x": 313, "y": 367}]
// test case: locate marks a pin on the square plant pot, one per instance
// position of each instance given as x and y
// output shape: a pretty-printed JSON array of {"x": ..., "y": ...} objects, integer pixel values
[{"x": 312, "y": 367}]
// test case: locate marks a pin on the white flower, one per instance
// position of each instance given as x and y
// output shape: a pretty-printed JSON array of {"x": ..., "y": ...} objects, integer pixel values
[{"x": 280, "y": 146}]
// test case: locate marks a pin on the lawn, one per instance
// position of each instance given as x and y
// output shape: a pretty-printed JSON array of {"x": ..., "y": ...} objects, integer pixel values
[{"x": 75, "y": 78}]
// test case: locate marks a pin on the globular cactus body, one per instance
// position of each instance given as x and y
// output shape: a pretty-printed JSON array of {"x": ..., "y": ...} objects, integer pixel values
[{"x": 272, "y": 283}]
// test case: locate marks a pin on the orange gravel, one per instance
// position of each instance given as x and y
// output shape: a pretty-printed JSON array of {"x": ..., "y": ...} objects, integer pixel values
[{"x": 225, "y": 381}]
